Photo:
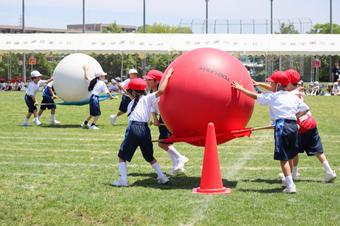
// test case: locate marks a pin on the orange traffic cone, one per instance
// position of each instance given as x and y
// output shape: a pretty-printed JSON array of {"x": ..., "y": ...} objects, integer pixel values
[{"x": 211, "y": 181}]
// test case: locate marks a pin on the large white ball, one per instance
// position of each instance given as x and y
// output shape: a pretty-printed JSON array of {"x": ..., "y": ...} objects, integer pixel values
[{"x": 68, "y": 77}]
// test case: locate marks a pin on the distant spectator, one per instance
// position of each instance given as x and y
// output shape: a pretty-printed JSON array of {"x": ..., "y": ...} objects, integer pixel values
[
  {"x": 315, "y": 89},
  {"x": 336, "y": 71},
  {"x": 329, "y": 91},
  {"x": 336, "y": 88}
]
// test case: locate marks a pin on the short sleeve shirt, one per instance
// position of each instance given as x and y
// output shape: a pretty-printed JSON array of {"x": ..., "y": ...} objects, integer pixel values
[{"x": 142, "y": 111}]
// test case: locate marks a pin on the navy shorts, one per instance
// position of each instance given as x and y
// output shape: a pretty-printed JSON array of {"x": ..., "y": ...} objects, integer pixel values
[
  {"x": 286, "y": 139},
  {"x": 94, "y": 106},
  {"x": 49, "y": 103},
  {"x": 124, "y": 103},
  {"x": 164, "y": 133},
  {"x": 137, "y": 134},
  {"x": 30, "y": 104},
  {"x": 310, "y": 142}
]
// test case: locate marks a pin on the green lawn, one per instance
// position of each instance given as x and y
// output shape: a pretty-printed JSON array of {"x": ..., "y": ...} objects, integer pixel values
[{"x": 61, "y": 175}]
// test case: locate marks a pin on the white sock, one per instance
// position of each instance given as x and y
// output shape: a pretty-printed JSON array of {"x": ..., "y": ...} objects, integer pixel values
[
  {"x": 123, "y": 171},
  {"x": 327, "y": 167},
  {"x": 157, "y": 169},
  {"x": 289, "y": 181},
  {"x": 52, "y": 118},
  {"x": 173, "y": 151},
  {"x": 173, "y": 159},
  {"x": 36, "y": 119},
  {"x": 26, "y": 120},
  {"x": 295, "y": 171}
]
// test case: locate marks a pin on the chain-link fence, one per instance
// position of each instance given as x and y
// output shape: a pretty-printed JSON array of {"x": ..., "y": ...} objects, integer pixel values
[{"x": 245, "y": 26}]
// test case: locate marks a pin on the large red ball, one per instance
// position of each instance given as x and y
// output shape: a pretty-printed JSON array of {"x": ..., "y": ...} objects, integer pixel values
[{"x": 199, "y": 91}]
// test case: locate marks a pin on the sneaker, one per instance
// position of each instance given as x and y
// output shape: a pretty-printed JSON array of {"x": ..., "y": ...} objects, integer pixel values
[
  {"x": 120, "y": 183},
  {"x": 113, "y": 119},
  {"x": 37, "y": 122},
  {"x": 295, "y": 177},
  {"x": 163, "y": 180},
  {"x": 26, "y": 123},
  {"x": 330, "y": 177},
  {"x": 82, "y": 125},
  {"x": 55, "y": 122},
  {"x": 291, "y": 189},
  {"x": 180, "y": 163},
  {"x": 173, "y": 172},
  {"x": 283, "y": 181},
  {"x": 93, "y": 127}
]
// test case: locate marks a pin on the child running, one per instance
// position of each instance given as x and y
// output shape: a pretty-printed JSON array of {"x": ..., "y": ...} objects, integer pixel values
[
  {"x": 31, "y": 92},
  {"x": 153, "y": 78},
  {"x": 284, "y": 110},
  {"x": 309, "y": 139},
  {"x": 48, "y": 95},
  {"x": 137, "y": 133},
  {"x": 96, "y": 87}
]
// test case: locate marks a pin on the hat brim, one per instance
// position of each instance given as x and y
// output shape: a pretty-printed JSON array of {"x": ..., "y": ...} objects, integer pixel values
[
  {"x": 270, "y": 80},
  {"x": 148, "y": 77}
]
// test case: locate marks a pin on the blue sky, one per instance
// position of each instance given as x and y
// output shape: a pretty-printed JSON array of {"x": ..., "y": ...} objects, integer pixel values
[{"x": 59, "y": 13}]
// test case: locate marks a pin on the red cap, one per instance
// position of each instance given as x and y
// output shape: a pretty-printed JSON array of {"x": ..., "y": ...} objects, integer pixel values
[
  {"x": 293, "y": 76},
  {"x": 154, "y": 75},
  {"x": 279, "y": 77},
  {"x": 136, "y": 84}
]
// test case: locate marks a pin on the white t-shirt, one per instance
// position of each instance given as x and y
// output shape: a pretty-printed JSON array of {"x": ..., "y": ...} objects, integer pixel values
[
  {"x": 125, "y": 82},
  {"x": 155, "y": 108},
  {"x": 283, "y": 104},
  {"x": 142, "y": 111},
  {"x": 99, "y": 88},
  {"x": 33, "y": 87}
]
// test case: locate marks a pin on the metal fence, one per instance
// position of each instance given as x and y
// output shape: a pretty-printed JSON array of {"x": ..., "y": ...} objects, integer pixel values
[{"x": 245, "y": 26}]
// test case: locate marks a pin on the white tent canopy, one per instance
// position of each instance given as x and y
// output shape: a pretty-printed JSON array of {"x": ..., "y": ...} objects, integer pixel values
[{"x": 244, "y": 44}]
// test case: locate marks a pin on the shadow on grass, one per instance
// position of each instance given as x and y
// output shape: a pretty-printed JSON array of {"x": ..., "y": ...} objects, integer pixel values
[
  {"x": 264, "y": 191},
  {"x": 278, "y": 181},
  {"x": 178, "y": 182},
  {"x": 62, "y": 126}
]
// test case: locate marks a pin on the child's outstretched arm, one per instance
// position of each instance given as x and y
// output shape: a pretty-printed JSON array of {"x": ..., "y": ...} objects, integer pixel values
[
  {"x": 164, "y": 84},
  {"x": 239, "y": 87},
  {"x": 86, "y": 69},
  {"x": 262, "y": 85}
]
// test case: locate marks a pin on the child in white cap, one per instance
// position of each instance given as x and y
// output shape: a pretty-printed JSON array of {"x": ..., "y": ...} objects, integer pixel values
[
  {"x": 31, "y": 92},
  {"x": 96, "y": 87}
]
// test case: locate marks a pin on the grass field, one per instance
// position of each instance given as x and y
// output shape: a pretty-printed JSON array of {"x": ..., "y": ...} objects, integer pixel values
[{"x": 61, "y": 175}]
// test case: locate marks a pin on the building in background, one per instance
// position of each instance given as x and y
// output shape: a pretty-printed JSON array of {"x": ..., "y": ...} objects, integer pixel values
[{"x": 72, "y": 28}]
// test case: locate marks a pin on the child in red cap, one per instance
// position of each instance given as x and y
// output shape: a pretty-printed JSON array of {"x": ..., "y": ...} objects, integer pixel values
[
  {"x": 284, "y": 109},
  {"x": 153, "y": 78},
  {"x": 309, "y": 139},
  {"x": 138, "y": 133}
]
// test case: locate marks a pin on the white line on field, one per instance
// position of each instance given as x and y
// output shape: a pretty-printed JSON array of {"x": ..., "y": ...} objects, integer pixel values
[
  {"x": 132, "y": 165},
  {"x": 200, "y": 213}
]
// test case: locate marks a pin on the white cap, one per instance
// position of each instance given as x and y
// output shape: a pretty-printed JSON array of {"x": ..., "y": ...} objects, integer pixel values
[
  {"x": 133, "y": 71},
  {"x": 316, "y": 82},
  {"x": 117, "y": 78},
  {"x": 99, "y": 73},
  {"x": 35, "y": 74}
]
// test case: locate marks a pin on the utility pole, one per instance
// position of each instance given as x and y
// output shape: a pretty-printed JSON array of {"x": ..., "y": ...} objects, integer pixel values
[
  {"x": 23, "y": 31},
  {"x": 206, "y": 16},
  {"x": 144, "y": 29},
  {"x": 331, "y": 79},
  {"x": 83, "y": 16},
  {"x": 271, "y": 16}
]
